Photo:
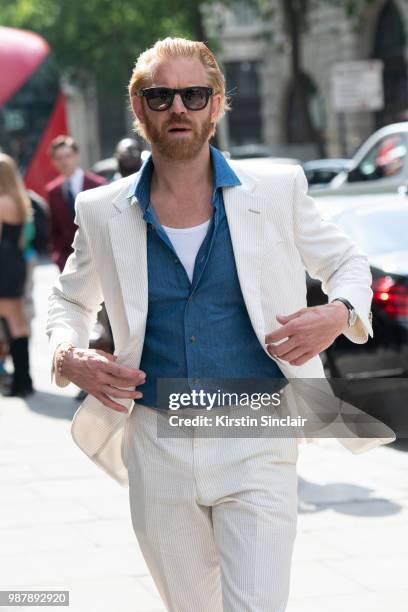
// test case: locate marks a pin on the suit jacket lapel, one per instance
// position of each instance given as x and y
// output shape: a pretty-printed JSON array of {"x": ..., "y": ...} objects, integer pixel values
[
  {"x": 246, "y": 224},
  {"x": 129, "y": 245}
]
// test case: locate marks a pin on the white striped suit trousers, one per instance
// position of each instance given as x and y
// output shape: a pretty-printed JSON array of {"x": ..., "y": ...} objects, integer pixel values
[{"x": 215, "y": 518}]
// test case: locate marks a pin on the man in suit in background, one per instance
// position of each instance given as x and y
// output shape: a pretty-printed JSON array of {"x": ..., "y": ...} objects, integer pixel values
[
  {"x": 201, "y": 265},
  {"x": 61, "y": 194}
]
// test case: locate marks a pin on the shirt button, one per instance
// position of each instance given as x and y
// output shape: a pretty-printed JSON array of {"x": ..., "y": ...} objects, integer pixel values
[
  {"x": 176, "y": 260},
  {"x": 193, "y": 339}
]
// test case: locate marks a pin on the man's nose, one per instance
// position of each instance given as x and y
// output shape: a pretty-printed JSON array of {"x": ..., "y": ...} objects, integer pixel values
[{"x": 178, "y": 104}]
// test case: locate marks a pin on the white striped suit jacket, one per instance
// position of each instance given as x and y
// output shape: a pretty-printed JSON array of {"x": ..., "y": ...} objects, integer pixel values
[{"x": 276, "y": 232}]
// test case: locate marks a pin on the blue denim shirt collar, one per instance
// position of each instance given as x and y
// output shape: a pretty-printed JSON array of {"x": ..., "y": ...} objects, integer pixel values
[{"x": 224, "y": 176}]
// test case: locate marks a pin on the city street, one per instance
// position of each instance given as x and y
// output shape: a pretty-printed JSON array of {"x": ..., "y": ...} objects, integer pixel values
[{"x": 65, "y": 525}]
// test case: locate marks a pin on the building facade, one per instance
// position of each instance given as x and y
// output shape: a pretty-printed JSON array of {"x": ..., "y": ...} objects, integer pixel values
[{"x": 256, "y": 56}]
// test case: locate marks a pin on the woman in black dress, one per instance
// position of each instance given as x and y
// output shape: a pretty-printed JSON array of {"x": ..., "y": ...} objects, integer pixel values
[{"x": 15, "y": 210}]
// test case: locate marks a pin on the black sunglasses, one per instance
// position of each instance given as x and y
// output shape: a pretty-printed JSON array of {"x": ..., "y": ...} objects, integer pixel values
[{"x": 161, "y": 98}]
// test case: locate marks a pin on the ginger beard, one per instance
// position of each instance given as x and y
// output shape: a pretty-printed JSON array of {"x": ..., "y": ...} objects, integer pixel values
[{"x": 180, "y": 148}]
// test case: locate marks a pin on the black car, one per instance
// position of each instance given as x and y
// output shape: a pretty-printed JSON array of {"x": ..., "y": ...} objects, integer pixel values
[{"x": 374, "y": 375}]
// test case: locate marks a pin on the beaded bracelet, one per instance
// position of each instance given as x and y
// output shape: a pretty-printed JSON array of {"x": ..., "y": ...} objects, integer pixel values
[{"x": 62, "y": 353}]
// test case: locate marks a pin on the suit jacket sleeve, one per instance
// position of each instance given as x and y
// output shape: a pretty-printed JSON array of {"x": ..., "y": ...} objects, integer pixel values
[
  {"x": 76, "y": 296},
  {"x": 333, "y": 258}
]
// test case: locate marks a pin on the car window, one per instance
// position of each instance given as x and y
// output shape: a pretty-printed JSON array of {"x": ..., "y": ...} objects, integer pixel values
[
  {"x": 320, "y": 177},
  {"x": 384, "y": 160},
  {"x": 377, "y": 232}
]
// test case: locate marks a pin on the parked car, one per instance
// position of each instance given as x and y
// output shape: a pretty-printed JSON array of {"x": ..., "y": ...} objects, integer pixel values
[
  {"x": 250, "y": 150},
  {"x": 256, "y": 156},
  {"x": 263, "y": 164},
  {"x": 330, "y": 207},
  {"x": 319, "y": 172},
  {"x": 106, "y": 167},
  {"x": 373, "y": 376},
  {"x": 380, "y": 165}
]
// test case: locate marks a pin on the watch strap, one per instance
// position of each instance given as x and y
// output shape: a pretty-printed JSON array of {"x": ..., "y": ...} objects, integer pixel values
[
  {"x": 345, "y": 302},
  {"x": 352, "y": 315}
]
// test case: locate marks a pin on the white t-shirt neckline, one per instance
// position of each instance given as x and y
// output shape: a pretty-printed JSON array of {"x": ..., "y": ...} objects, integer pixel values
[
  {"x": 187, "y": 230},
  {"x": 186, "y": 242}
]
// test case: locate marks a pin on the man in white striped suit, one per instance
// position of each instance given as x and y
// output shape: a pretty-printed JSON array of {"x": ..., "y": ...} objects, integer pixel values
[{"x": 202, "y": 269}]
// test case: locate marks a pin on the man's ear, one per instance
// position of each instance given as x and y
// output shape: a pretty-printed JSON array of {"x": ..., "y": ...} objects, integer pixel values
[
  {"x": 137, "y": 107},
  {"x": 215, "y": 107}
]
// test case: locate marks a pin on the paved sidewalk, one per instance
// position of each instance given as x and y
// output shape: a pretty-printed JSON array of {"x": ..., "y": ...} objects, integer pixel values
[{"x": 65, "y": 525}]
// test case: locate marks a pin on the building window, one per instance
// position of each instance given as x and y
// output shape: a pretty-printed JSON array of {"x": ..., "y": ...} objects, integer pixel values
[
  {"x": 243, "y": 88},
  {"x": 244, "y": 14}
]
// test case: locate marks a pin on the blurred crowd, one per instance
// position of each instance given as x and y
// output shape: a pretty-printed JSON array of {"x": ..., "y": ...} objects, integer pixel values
[{"x": 33, "y": 228}]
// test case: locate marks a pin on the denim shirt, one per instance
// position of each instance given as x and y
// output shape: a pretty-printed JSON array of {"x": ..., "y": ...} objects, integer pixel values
[{"x": 199, "y": 329}]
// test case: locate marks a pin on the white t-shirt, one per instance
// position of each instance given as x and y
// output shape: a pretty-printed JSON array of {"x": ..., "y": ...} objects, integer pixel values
[{"x": 186, "y": 242}]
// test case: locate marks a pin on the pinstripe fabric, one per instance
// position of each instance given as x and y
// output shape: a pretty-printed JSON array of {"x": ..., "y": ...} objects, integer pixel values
[
  {"x": 271, "y": 220},
  {"x": 215, "y": 518}
]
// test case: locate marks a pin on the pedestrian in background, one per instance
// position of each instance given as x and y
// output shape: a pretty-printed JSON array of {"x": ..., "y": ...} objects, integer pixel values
[
  {"x": 15, "y": 212},
  {"x": 129, "y": 155},
  {"x": 61, "y": 194},
  {"x": 36, "y": 244}
]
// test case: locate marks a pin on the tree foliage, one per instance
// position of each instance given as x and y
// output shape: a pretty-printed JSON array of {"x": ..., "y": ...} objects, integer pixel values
[{"x": 103, "y": 38}]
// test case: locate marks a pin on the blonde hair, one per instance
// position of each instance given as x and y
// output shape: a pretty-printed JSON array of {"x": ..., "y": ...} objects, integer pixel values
[
  {"x": 12, "y": 185},
  {"x": 62, "y": 141},
  {"x": 173, "y": 48}
]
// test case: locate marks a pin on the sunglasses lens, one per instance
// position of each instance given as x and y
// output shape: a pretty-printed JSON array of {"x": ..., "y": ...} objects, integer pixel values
[
  {"x": 195, "y": 98},
  {"x": 159, "y": 98}
]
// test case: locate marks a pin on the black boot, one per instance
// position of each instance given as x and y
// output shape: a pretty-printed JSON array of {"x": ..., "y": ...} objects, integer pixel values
[{"x": 21, "y": 385}]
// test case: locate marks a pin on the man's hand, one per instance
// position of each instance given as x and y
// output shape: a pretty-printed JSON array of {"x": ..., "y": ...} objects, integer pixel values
[
  {"x": 308, "y": 332},
  {"x": 96, "y": 372}
]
